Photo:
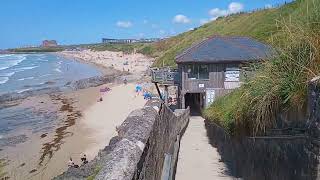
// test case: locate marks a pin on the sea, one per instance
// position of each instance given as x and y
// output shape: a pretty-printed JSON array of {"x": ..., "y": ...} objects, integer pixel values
[
  {"x": 32, "y": 72},
  {"x": 24, "y": 72}
]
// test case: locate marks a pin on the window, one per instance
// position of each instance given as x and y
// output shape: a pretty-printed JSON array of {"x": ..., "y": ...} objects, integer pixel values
[
  {"x": 198, "y": 71},
  {"x": 203, "y": 72},
  {"x": 232, "y": 73}
]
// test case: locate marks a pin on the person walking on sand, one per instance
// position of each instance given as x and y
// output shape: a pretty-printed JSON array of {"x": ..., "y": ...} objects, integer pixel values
[
  {"x": 84, "y": 159},
  {"x": 72, "y": 164},
  {"x": 138, "y": 89}
]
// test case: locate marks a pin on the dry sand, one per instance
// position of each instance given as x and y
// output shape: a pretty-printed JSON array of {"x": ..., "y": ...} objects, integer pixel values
[
  {"x": 197, "y": 158},
  {"x": 136, "y": 63}
]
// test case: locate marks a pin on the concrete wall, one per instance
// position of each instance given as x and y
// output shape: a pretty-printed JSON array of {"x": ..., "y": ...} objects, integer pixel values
[{"x": 138, "y": 152}]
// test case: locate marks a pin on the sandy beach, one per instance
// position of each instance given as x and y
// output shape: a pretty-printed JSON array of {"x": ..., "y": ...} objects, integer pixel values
[
  {"x": 135, "y": 63},
  {"x": 83, "y": 126}
]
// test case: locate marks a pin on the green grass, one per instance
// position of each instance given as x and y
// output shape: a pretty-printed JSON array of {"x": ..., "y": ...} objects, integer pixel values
[
  {"x": 262, "y": 25},
  {"x": 126, "y": 48},
  {"x": 95, "y": 173},
  {"x": 37, "y": 49},
  {"x": 279, "y": 84}
]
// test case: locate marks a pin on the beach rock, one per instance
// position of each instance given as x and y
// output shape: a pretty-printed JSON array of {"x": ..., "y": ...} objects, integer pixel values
[
  {"x": 91, "y": 82},
  {"x": 16, "y": 96}
]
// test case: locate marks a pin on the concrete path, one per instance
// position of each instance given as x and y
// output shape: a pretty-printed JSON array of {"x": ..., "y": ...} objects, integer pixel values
[{"x": 197, "y": 158}]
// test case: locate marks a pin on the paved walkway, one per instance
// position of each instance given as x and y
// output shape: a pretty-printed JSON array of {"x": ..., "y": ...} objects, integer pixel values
[{"x": 197, "y": 158}]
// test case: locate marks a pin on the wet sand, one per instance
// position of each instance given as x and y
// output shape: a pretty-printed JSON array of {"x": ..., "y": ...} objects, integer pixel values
[{"x": 86, "y": 127}]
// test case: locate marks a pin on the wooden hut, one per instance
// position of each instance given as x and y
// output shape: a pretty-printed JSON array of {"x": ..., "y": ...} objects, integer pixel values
[{"x": 214, "y": 67}]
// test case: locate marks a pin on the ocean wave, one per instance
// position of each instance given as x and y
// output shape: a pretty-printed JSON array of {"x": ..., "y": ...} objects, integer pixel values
[
  {"x": 27, "y": 78},
  {"x": 45, "y": 75},
  {"x": 10, "y": 61},
  {"x": 3, "y": 80},
  {"x": 6, "y": 55},
  {"x": 58, "y": 70},
  {"x": 8, "y": 74},
  {"x": 26, "y": 68},
  {"x": 23, "y": 90}
]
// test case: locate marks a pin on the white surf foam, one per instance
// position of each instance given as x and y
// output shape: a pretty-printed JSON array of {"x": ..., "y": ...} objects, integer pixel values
[
  {"x": 3, "y": 80},
  {"x": 7, "y": 74},
  {"x": 23, "y": 90},
  {"x": 26, "y": 68},
  {"x": 10, "y": 61},
  {"x": 6, "y": 55},
  {"x": 58, "y": 70},
  {"x": 27, "y": 78}
]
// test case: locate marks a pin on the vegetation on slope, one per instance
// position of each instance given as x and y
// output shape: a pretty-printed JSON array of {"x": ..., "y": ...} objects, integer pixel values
[
  {"x": 37, "y": 49},
  {"x": 280, "y": 83},
  {"x": 261, "y": 25},
  {"x": 126, "y": 48}
]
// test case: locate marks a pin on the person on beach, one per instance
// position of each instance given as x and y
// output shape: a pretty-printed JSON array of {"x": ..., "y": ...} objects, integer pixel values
[
  {"x": 125, "y": 81},
  {"x": 138, "y": 89},
  {"x": 72, "y": 164},
  {"x": 84, "y": 159}
]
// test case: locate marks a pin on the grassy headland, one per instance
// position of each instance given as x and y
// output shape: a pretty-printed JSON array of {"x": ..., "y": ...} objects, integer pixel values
[
  {"x": 281, "y": 83},
  {"x": 263, "y": 25},
  {"x": 37, "y": 49}
]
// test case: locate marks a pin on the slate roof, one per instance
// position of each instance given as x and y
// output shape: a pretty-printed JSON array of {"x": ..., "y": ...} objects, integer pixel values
[{"x": 226, "y": 49}]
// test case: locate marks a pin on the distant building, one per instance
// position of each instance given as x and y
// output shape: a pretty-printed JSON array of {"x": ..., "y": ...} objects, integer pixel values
[
  {"x": 49, "y": 43},
  {"x": 129, "y": 41},
  {"x": 2, "y": 51}
]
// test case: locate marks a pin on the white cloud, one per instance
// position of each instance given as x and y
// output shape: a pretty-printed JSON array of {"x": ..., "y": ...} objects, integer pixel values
[
  {"x": 268, "y": 6},
  {"x": 204, "y": 21},
  {"x": 124, "y": 24},
  {"x": 181, "y": 19},
  {"x": 145, "y": 21},
  {"x": 233, "y": 7},
  {"x": 216, "y": 12},
  {"x": 141, "y": 35}
]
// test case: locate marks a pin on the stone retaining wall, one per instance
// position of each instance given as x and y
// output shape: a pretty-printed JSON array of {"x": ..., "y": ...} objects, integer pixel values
[{"x": 138, "y": 152}]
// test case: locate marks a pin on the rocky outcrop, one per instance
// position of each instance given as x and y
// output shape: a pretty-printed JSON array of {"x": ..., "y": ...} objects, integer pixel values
[{"x": 115, "y": 76}]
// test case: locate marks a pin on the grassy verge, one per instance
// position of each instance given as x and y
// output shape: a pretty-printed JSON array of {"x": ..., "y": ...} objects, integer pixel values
[
  {"x": 280, "y": 83},
  {"x": 126, "y": 48},
  {"x": 95, "y": 173}
]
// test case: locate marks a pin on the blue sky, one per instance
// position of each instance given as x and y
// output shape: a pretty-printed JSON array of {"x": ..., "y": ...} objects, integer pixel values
[{"x": 28, "y": 22}]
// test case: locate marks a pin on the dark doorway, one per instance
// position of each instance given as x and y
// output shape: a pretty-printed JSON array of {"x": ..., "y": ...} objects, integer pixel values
[{"x": 195, "y": 102}]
